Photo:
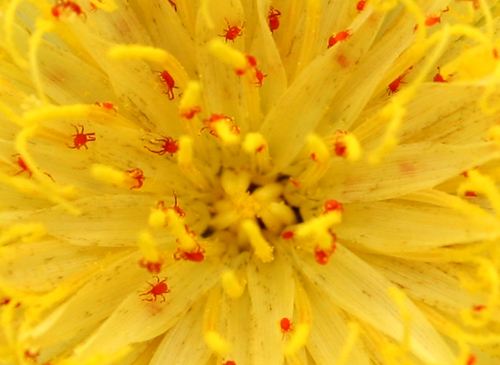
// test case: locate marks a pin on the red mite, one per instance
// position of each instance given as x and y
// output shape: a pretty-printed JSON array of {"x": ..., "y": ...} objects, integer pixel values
[
  {"x": 168, "y": 80},
  {"x": 323, "y": 256},
  {"x": 273, "y": 19},
  {"x": 339, "y": 37},
  {"x": 157, "y": 289},
  {"x": 260, "y": 77},
  {"x": 230, "y": 362},
  {"x": 22, "y": 165},
  {"x": 394, "y": 86},
  {"x": 232, "y": 32},
  {"x": 360, "y": 6},
  {"x": 107, "y": 106},
  {"x": 137, "y": 174},
  {"x": 66, "y": 7},
  {"x": 332, "y": 205},
  {"x": 151, "y": 266},
  {"x": 285, "y": 325},
  {"x": 168, "y": 145},
  {"x": 81, "y": 138},
  {"x": 197, "y": 255}
]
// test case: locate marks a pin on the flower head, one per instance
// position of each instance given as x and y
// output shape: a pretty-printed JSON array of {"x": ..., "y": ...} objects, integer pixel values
[{"x": 240, "y": 182}]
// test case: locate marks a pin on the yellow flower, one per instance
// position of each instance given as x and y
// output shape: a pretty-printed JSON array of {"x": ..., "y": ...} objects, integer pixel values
[{"x": 249, "y": 182}]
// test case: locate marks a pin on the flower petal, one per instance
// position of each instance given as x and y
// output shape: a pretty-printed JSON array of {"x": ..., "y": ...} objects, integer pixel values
[
  {"x": 272, "y": 290},
  {"x": 361, "y": 291},
  {"x": 408, "y": 168}
]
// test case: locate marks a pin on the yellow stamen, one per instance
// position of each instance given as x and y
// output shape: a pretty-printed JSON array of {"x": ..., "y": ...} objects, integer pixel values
[
  {"x": 189, "y": 106},
  {"x": 148, "y": 246},
  {"x": 228, "y": 54},
  {"x": 256, "y": 147},
  {"x": 233, "y": 286},
  {"x": 263, "y": 250},
  {"x": 481, "y": 184},
  {"x": 108, "y": 174},
  {"x": 226, "y": 133},
  {"x": 302, "y": 327},
  {"x": 157, "y": 218},
  {"x": 320, "y": 162},
  {"x": 210, "y": 321},
  {"x": 349, "y": 344},
  {"x": 8, "y": 26},
  {"x": 353, "y": 148},
  {"x": 41, "y": 27},
  {"x": 315, "y": 230},
  {"x": 185, "y": 241}
]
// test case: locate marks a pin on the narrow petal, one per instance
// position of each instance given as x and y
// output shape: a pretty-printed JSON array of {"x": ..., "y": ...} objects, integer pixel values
[
  {"x": 407, "y": 169},
  {"x": 361, "y": 291}
]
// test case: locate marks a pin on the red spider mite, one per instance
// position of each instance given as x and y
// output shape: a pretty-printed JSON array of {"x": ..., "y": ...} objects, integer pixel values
[
  {"x": 216, "y": 118},
  {"x": 287, "y": 235},
  {"x": 67, "y": 7},
  {"x": 332, "y": 205},
  {"x": 434, "y": 19},
  {"x": 471, "y": 360},
  {"x": 136, "y": 174},
  {"x": 478, "y": 308},
  {"x": 260, "y": 77},
  {"x": 22, "y": 165},
  {"x": 285, "y": 325},
  {"x": 152, "y": 266},
  {"x": 394, "y": 86},
  {"x": 360, "y": 6},
  {"x": 81, "y": 138},
  {"x": 106, "y": 106},
  {"x": 190, "y": 113},
  {"x": 232, "y": 32},
  {"x": 168, "y": 80},
  {"x": 157, "y": 289},
  {"x": 339, "y": 37},
  {"x": 161, "y": 205},
  {"x": 168, "y": 145},
  {"x": 470, "y": 193},
  {"x": 273, "y": 19},
  {"x": 438, "y": 77},
  {"x": 197, "y": 255},
  {"x": 230, "y": 362},
  {"x": 339, "y": 145},
  {"x": 174, "y": 5},
  {"x": 31, "y": 355}
]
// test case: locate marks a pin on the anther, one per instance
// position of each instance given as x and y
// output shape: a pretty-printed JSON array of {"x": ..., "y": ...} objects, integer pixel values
[{"x": 262, "y": 248}]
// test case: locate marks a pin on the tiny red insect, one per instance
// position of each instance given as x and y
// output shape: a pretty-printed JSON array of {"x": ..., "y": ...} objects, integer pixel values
[
  {"x": 32, "y": 355},
  {"x": 232, "y": 32},
  {"x": 339, "y": 37},
  {"x": 168, "y": 145},
  {"x": 157, "y": 290},
  {"x": 286, "y": 326},
  {"x": 152, "y": 266},
  {"x": 81, "y": 138},
  {"x": 438, "y": 77},
  {"x": 168, "y": 80},
  {"x": 394, "y": 86},
  {"x": 287, "y": 235},
  {"x": 230, "y": 362},
  {"x": 137, "y": 174},
  {"x": 273, "y": 18},
  {"x": 260, "y": 77},
  {"x": 217, "y": 118},
  {"x": 22, "y": 165},
  {"x": 174, "y": 5},
  {"x": 161, "y": 205},
  {"x": 62, "y": 8},
  {"x": 471, "y": 360},
  {"x": 479, "y": 308},
  {"x": 332, "y": 205},
  {"x": 339, "y": 145},
  {"x": 434, "y": 19},
  {"x": 360, "y": 6},
  {"x": 197, "y": 255},
  {"x": 107, "y": 106},
  {"x": 470, "y": 193},
  {"x": 191, "y": 112}
]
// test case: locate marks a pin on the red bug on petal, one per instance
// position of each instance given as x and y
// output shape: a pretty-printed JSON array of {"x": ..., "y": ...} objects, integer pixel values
[
  {"x": 157, "y": 290},
  {"x": 273, "y": 19},
  {"x": 332, "y": 205},
  {"x": 168, "y": 146},
  {"x": 471, "y": 360},
  {"x": 169, "y": 81},
  {"x": 138, "y": 175},
  {"x": 232, "y": 32},
  {"x": 286, "y": 326},
  {"x": 196, "y": 255},
  {"x": 394, "y": 86},
  {"x": 81, "y": 138},
  {"x": 360, "y": 6},
  {"x": 66, "y": 8},
  {"x": 107, "y": 106},
  {"x": 154, "y": 267},
  {"x": 260, "y": 77},
  {"x": 230, "y": 362},
  {"x": 339, "y": 37}
]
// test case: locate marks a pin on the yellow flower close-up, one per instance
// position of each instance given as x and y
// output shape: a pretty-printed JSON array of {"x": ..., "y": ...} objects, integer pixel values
[{"x": 250, "y": 182}]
